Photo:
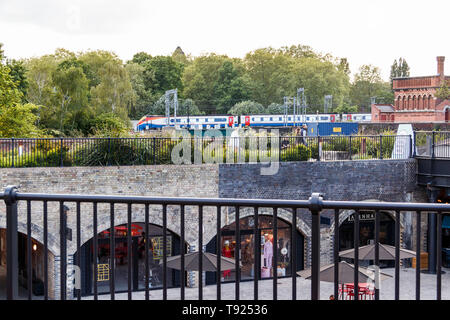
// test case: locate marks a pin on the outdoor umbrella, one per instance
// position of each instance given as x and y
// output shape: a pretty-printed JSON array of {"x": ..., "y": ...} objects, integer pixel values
[
  {"x": 346, "y": 273},
  {"x": 191, "y": 260},
  {"x": 387, "y": 252}
]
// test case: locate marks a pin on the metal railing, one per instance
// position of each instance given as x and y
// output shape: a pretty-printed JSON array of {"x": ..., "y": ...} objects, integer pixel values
[
  {"x": 432, "y": 144},
  {"x": 315, "y": 205},
  {"x": 63, "y": 152}
]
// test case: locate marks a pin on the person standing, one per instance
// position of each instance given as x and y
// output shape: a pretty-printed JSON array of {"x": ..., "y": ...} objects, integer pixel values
[{"x": 304, "y": 133}]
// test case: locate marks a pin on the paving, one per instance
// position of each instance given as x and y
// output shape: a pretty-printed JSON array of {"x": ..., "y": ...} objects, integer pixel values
[{"x": 387, "y": 289}]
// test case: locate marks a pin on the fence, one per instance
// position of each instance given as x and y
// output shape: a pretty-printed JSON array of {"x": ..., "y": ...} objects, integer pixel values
[
  {"x": 315, "y": 205},
  {"x": 60, "y": 152},
  {"x": 432, "y": 144}
]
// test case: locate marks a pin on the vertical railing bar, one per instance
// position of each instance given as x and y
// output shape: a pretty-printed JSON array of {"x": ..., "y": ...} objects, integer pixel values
[
  {"x": 257, "y": 259},
  {"x": 95, "y": 249},
  {"x": 164, "y": 252},
  {"x": 78, "y": 260},
  {"x": 237, "y": 249},
  {"x": 63, "y": 266},
  {"x": 129, "y": 248},
  {"x": 315, "y": 254},
  {"x": 200, "y": 252},
  {"x": 336, "y": 253},
  {"x": 439, "y": 257},
  {"x": 45, "y": 250},
  {"x": 112, "y": 251},
  {"x": 219, "y": 253},
  {"x": 29, "y": 256},
  {"x": 397, "y": 255},
  {"x": 275, "y": 253},
  {"x": 182, "y": 249},
  {"x": 356, "y": 256},
  {"x": 418, "y": 262},
  {"x": 147, "y": 248},
  {"x": 377, "y": 251},
  {"x": 294, "y": 253}
]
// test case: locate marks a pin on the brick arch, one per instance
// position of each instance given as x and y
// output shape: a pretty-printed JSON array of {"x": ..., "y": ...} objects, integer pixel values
[
  {"x": 414, "y": 102},
  {"x": 37, "y": 234},
  {"x": 344, "y": 214},
  {"x": 283, "y": 214},
  {"x": 419, "y": 103},
  {"x": 425, "y": 101},
  {"x": 404, "y": 103},
  {"x": 430, "y": 102},
  {"x": 408, "y": 103}
]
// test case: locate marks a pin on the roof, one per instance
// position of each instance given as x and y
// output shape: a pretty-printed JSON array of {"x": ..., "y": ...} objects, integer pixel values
[{"x": 385, "y": 108}]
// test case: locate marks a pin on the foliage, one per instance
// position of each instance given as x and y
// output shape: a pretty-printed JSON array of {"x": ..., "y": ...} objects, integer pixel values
[
  {"x": 246, "y": 107},
  {"x": 443, "y": 92},
  {"x": 109, "y": 125}
]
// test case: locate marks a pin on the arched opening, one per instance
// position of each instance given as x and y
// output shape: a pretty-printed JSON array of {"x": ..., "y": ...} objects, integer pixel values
[
  {"x": 419, "y": 103},
  {"x": 430, "y": 102},
  {"x": 447, "y": 114},
  {"x": 367, "y": 232},
  {"x": 414, "y": 103},
  {"x": 409, "y": 103},
  {"x": 37, "y": 265},
  {"x": 121, "y": 259},
  {"x": 264, "y": 236},
  {"x": 403, "y": 103}
]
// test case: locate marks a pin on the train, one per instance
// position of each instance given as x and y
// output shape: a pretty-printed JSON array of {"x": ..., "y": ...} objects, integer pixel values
[{"x": 150, "y": 122}]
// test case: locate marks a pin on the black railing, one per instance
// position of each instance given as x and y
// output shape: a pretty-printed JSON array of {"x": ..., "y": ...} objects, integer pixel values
[
  {"x": 63, "y": 152},
  {"x": 315, "y": 205},
  {"x": 432, "y": 144}
]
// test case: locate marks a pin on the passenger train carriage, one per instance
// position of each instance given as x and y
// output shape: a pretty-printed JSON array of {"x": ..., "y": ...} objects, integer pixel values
[{"x": 226, "y": 121}]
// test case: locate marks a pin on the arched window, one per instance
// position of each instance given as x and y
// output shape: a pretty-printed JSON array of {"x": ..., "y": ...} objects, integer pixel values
[{"x": 419, "y": 103}]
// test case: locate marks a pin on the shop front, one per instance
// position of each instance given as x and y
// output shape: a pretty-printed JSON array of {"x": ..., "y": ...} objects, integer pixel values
[
  {"x": 367, "y": 232},
  {"x": 264, "y": 235},
  {"x": 121, "y": 259}
]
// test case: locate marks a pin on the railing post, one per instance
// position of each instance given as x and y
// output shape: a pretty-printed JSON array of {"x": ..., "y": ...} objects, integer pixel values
[
  {"x": 154, "y": 150},
  {"x": 12, "y": 151},
  {"x": 61, "y": 151},
  {"x": 381, "y": 147},
  {"x": 318, "y": 147},
  {"x": 432, "y": 145},
  {"x": 12, "y": 250},
  {"x": 414, "y": 144},
  {"x": 350, "y": 148},
  {"x": 315, "y": 206},
  {"x": 109, "y": 151}
]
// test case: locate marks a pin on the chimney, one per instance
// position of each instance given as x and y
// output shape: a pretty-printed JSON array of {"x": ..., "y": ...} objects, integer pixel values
[{"x": 440, "y": 67}]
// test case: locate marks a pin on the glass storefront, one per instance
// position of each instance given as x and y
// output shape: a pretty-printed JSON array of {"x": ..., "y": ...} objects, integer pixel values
[
  {"x": 247, "y": 253},
  {"x": 121, "y": 259},
  {"x": 367, "y": 232}
]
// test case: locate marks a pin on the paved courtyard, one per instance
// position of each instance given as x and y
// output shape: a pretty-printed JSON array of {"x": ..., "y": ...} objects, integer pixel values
[{"x": 407, "y": 289}]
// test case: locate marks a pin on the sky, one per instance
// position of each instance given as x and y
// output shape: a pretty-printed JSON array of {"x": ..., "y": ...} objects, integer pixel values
[{"x": 365, "y": 32}]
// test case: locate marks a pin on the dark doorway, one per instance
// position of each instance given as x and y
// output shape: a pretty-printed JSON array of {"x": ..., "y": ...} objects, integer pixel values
[
  {"x": 367, "y": 233},
  {"x": 121, "y": 260}
]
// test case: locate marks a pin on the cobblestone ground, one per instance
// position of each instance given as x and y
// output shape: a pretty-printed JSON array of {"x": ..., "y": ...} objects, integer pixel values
[{"x": 407, "y": 289}]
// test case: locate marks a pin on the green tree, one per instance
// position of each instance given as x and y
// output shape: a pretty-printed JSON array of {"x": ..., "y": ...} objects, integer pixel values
[
  {"x": 246, "y": 107},
  {"x": 367, "y": 83},
  {"x": 443, "y": 92},
  {"x": 229, "y": 87},
  {"x": 399, "y": 69},
  {"x": 18, "y": 74},
  {"x": 179, "y": 56}
]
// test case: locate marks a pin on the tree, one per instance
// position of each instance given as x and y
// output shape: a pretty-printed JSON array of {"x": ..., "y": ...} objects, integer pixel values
[
  {"x": 109, "y": 125},
  {"x": 18, "y": 75},
  {"x": 367, "y": 84},
  {"x": 398, "y": 70},
  {"x": 179, "y": 56},
  {"x": 275, "y": 108},
  {"x": 200, "y": 80},
  {"x": 443, "y": 92},
  {"x": 246, "y": 107},
  {"x": 229, "y": 87},
  {"x": 346, "y": 108}
]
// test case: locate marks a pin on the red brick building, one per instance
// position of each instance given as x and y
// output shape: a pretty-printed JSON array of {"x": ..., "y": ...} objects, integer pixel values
[{"x": 415, "y": 100}]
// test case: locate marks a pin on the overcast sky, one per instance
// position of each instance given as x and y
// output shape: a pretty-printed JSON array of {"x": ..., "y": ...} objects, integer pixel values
[{"x": 366, "y": 32}]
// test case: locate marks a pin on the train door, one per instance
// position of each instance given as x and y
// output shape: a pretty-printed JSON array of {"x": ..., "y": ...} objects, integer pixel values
[
  {"x": 332, "y": 118},
  {"x": 349, "y": 117},
  {"x": 247, "y": 120},
  {"x": 230, "y": 121}
]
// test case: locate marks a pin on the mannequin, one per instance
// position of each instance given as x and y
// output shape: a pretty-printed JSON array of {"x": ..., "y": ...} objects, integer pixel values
[
  {"x": 226, "y": 252},
  {"x": 268, "y": 252}
]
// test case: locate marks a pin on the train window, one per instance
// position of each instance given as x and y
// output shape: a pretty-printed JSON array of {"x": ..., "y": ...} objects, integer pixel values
[
  {"x": 196, "y": 120},
  {"x": 262, "y": 119},
  {"x": 323, "y": 118},
  {"x": 363, "y": 117},
  {"x": 171, "y": 120},
  {"x": 206, "y": 119},
  {"x": 178, "y": 120},
  {"x": 279, "y": 119},
  {"x": 220, "y": 119},
  {"x": 271, "y": 119},
  {"x": 253, "y": 119},
  {"x": 307, "y": 118}
]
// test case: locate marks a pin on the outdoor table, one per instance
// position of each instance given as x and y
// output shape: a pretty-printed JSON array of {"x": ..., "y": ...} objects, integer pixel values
[{"x": 365, "y": 289}]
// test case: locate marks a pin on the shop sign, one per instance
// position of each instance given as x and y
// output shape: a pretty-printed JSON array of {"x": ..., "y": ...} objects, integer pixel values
[
  {"x": 103, "y": 272},
  {"x": 363, "y": 216}
]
